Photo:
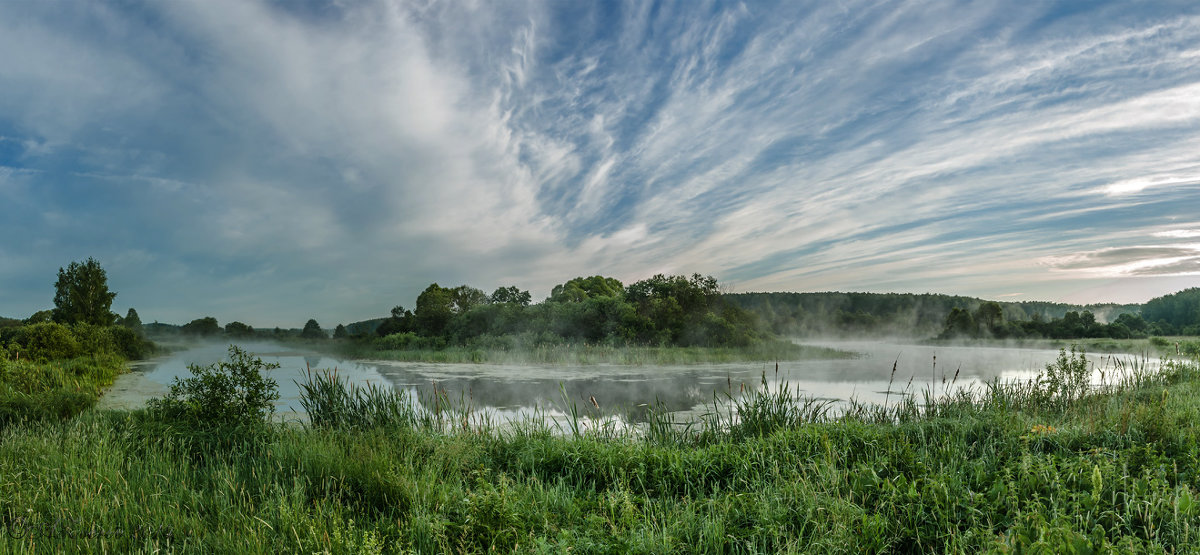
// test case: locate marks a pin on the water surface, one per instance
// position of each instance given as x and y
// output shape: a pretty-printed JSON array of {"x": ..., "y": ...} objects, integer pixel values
[{"x": 622, "y": 393}]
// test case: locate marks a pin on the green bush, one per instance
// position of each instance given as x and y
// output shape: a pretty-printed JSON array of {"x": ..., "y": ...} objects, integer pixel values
[
  {"x": 129, "y": 343},
  {"x": 47, "y": 341},
  {"x": 408, "y": 341},
  {"x": 223, "y": 394}
]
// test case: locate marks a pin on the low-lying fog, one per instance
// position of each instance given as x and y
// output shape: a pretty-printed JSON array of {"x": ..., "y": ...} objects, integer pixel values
[{"x": 514, "y": 392}]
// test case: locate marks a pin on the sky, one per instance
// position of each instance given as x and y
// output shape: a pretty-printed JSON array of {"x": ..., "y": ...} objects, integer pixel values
[{"x": 271, "y": 162}]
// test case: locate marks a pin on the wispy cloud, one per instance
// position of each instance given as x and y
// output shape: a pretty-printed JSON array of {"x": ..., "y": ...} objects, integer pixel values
[{"x": 270, "y": 162}]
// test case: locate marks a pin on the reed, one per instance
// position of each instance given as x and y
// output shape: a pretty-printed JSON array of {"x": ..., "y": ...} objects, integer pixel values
[{"x": 1005, "y": 467}]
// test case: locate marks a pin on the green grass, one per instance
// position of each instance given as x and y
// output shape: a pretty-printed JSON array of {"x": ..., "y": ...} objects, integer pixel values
[
  {"x": 53, "y": 390},
  {"x": 583, "y": 354},
  {"x": 1152, "y": 346},
  {"x": 1040, "y": 467}
]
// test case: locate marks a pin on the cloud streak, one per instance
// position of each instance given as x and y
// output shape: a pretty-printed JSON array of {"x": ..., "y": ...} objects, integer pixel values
[{"x": 273, "y": 162}]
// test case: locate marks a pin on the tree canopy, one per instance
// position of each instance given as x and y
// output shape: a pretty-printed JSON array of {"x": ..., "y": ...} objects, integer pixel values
[
  {"x": 81, "y": 295},
  {"x": 312, "y": 330},
  {"x": 204, "y": 327}
]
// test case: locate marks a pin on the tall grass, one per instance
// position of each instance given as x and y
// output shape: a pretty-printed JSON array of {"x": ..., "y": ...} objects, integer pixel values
[{"x": 1006, "y": 467}]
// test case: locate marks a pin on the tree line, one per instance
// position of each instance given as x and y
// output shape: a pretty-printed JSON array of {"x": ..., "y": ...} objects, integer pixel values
[{"x": 662, "y": 310}]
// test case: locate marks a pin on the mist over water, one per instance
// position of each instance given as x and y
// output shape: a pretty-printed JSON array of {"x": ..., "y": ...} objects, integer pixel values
[{"x": 624, "y": 394}]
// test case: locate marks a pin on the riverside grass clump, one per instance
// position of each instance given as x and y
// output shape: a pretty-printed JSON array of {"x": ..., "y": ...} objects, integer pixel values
[
  {"x": 53, "y": 390},
  {"x": 1012, "y": 467}
]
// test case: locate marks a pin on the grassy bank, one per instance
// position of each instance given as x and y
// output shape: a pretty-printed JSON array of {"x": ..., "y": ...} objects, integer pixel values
[
  {"x": 54, "y": 390},
  {"x": 581, "y": 354},
  {"x": 1044, "y": 467},
  {"x": 1154, "y": 347}
]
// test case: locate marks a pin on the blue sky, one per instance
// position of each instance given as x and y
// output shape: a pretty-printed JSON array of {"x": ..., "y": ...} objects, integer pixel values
[{"x": 274, "y": 161}]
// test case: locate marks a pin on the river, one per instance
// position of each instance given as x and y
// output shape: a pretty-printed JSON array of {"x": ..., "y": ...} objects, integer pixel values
[{"x": 623, "y": 393}]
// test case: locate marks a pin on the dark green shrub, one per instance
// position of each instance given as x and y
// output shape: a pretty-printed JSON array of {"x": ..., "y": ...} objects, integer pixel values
[
  {"x": 47, "y": 341},
  {"x": 129, "y": 343},
  {"x": 223, "y": 394},
  {"x": 92, "y": 339}
]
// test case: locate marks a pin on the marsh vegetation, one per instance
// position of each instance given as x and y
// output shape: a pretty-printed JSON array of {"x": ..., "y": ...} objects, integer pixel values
[
  {"x": 1051, "y": 464},
  {"x": 924, "y": 453}
]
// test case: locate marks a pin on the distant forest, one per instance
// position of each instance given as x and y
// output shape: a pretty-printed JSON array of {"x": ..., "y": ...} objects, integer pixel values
[
  {"x": 934, "y": 315},
  {"x": 692, "y": 312}
]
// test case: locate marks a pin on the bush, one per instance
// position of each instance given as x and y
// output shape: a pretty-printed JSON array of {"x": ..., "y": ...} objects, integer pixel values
[
  {"x": 129, "y": 343},
  {"x": 223, "y": 394},
  {"x": 48, "y": 341},
  {"x": 408, "y": 341}
]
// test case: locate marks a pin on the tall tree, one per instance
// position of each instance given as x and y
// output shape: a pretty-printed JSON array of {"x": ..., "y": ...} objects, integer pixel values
[
  {"x": 81, "y": 295},
  {"x": 512, "y": 295},
  {"x": 435, "y": 307},
  {"x": 312, "y": 330},
  {"x": 132, "y": 321}
]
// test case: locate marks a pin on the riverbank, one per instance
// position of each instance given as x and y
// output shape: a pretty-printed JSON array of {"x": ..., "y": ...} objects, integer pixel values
[
  {"x": 589, "y": 354},
  {"x": 1149, "y": 347},
  {"x": 1046, "y": 467}
]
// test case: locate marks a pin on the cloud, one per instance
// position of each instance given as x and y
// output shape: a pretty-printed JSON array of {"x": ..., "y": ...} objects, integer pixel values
[
  {"x": 271, "y": 162},
  {"x": 1162, "y": 260}
]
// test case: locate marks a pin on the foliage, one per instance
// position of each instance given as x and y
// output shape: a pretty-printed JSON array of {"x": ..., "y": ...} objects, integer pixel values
[
  {"x": 581, "y": 288},
  {"x": 312, "y": 330},
  {"x": 40, "y": 317},
  {"x": 662, "y": 310},
  {"x": 1003, "y": 470},
  {"x": 224, "y": 394},
  {"x": 893, "y": 314},
  {"x": 340, "y": 332},
  {"x": 1175, "y": 313},
  {"x": 81, "y": 295},
  {"x": 132, "y": 321},
  {"x": 510, "y": 294},
  {"x": 32, "y": 390},
  {"x": 203, "y": 327},
  {"x": 43, "y": 342},
  {"x": 239, "y": 330}
]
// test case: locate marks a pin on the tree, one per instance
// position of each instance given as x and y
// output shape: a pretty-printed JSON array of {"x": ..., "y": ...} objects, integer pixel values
[
  {"x": 464, "y": 298},
  {"x": 989, "y": 314},
  {"x": 401, "y": 321},
  {"x": 40, "y": 317},
  {"x": 434, "y": 310},
  {"x": 960, "y": 322},
  {"x": 312, "y": 330},
  {"x": 512, "y": 295},
  {"x": 81, "y": 295},
  {"x": 581, "y": 288},
  {"x": 340, "y": 332},
  {"x": 132, "y": 321},
  {"x": 201, "y": 326},
  {"x": 238, "y": 329}
]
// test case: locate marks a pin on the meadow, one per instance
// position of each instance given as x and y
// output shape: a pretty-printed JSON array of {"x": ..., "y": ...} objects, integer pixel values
[{"x": 1051, "y": 465}]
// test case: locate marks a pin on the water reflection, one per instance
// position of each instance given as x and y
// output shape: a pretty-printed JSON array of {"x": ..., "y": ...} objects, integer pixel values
[{"x": 505, "y": 393}]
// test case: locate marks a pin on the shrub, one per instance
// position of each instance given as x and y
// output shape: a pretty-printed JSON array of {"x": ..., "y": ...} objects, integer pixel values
[
  {"x": 223, "y": 394},
  {"x": 47, "y": 341},
  {"x": 129, "y": 343}
]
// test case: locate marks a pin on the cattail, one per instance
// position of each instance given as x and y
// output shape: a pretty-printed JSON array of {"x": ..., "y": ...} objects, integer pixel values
[{"x": 592, "y": 398}]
